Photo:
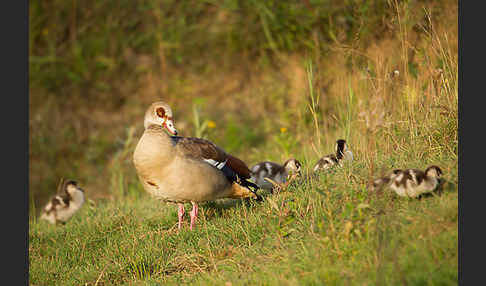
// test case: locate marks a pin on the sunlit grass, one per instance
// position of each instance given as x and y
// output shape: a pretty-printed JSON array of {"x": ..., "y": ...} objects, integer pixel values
[{"x": 327, "y": 229}]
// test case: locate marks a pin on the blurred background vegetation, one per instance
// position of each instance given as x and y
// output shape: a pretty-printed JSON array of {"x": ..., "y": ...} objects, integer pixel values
[{"x": 265, "y": 80}]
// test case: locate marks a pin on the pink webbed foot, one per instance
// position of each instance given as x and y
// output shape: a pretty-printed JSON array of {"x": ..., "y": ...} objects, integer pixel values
[
  {"x": 193, "y": 214},
  {"x": 180, "y": 214}
]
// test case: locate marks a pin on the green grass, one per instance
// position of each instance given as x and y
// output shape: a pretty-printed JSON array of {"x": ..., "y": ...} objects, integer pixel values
[
  {"x": 265, "y": 81},
  {"x": 329, "y": 230}
]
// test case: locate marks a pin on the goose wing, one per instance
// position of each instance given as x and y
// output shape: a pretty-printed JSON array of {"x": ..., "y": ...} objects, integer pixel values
[{"x": 201, "y": 149}]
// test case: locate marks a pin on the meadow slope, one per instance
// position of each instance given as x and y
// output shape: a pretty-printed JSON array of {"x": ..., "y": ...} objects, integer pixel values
[{"x": 286, "y": 82}]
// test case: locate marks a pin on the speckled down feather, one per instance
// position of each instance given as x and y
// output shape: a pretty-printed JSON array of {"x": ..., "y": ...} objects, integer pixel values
[{"x": 276, "y": 172}]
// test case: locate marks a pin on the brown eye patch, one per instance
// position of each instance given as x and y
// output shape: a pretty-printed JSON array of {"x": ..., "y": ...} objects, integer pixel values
[{"x": 160, "y": 112}]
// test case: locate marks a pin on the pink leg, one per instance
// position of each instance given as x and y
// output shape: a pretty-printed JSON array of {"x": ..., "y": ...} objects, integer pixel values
[
  {"x": 180, "y": 215},
  {"x": 193, "y": 214}
]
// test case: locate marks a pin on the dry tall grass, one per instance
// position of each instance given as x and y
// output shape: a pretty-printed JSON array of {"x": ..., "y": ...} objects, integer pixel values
[{"x": 355, "y": 93}]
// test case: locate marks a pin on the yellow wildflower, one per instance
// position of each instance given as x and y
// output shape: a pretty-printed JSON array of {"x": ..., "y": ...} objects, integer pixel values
[
  {"x": 283, "y": 129},
  {"x": 211, "y": 124}
]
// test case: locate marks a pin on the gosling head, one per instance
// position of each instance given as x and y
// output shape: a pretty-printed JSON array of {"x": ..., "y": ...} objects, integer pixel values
[
  {"x": 433, "y": 171},
  {"x": 342, "y": 149},
  {"x": 71, "y": 187},
  {"x": 292, "y": 166},
  {"x": 395, "y": 173}
]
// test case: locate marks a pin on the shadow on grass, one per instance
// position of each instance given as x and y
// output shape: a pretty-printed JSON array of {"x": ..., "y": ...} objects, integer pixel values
[{"x": 218, "y": 208}]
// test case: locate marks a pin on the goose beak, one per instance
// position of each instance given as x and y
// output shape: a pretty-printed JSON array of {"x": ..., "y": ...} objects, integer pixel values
[{"x": 169, "y": 125}]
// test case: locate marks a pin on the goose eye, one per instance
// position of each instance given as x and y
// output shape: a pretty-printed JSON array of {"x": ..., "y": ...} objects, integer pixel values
[{"x": 160, "y": 112}]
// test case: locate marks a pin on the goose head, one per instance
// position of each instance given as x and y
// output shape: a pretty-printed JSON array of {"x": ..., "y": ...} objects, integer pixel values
[
  {"x": 433, "y": 171},
  {"x": 159, "y": 113}
]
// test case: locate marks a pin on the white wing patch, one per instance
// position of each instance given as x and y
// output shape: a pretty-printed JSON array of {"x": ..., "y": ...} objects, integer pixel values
[{"x": 216, "y": 164}]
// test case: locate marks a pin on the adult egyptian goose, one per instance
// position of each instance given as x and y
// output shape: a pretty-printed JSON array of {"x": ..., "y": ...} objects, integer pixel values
[
  {"x": 276, "y": 172},
  {"x": 63, "y": 206},
  {"x": 182, "y": 170},
  {"x": 384, "y": 181},
  {"x": 342, "y": 154},
  {"x": 413, "y": 183}
]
